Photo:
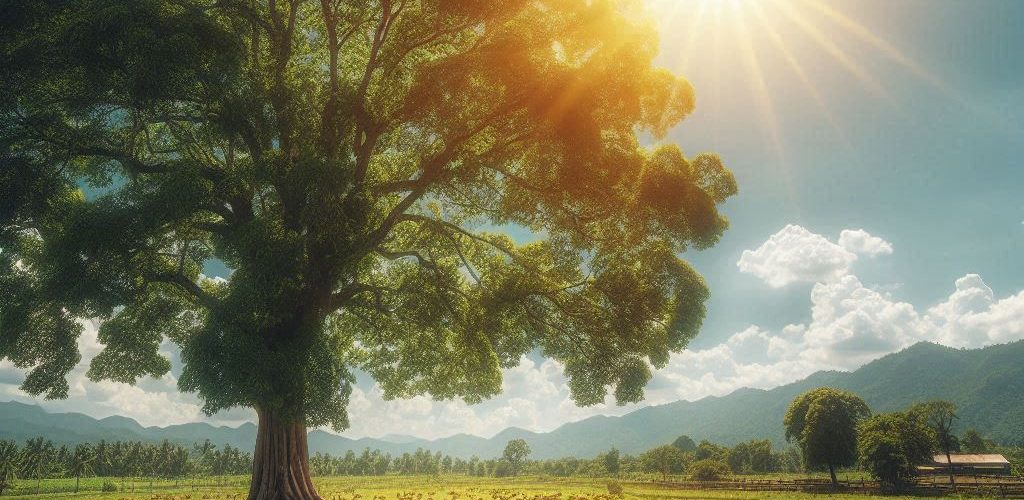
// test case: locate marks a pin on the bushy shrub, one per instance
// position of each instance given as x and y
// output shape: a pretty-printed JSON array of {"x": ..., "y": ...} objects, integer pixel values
[
  {"x": 502, "y": 469},
  {"x": 109, "y": 486},
  {"x": 614, "y": 488},
  {"x": 708, "y": 470}
]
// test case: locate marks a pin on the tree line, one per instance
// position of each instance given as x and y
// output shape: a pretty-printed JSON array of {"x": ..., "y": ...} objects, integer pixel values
[
  {"x": 40, "y": 458},
  {"x": 131, "y": 461},
  {"x": 755, "y": 456},
  {"x": 830, "y": 429}
]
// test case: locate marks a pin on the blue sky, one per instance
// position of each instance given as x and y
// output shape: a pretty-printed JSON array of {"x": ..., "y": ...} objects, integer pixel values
[
  {"x": 882, "y": 208},
  {"x": 936, "y": 171}
]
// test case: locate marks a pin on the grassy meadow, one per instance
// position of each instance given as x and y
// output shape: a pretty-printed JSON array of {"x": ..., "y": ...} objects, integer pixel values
[{"x": 396, "y": 488}]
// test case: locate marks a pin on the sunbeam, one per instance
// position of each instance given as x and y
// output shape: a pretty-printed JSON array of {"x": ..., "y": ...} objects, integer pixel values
[
  {"x": 874, "y": 40},
  {"x": 780, "y": 45},
  {"x": 760, "y": 89},
  {"x": 829, "y": 46}
]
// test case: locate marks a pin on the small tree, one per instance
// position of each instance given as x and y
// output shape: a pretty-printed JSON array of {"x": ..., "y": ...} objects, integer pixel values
[
  {"x": 708, "y": 450},
  {"x": 708, "y": 470},
  {"x": 752, "y": 456},
  {"x": 614, "y": 488},
  {"x": 37, "y": 460},
  {"x": 739, "y": 458},
  {"x": 611, "y": 461},
  {"x": 685, "y": 444},
  {"x": 972, "y": 442},
  {"x": 515, "y": 453},
  {"x": 81, "y": 463},
  {"x": 891, "y": 445},
  {"x": 664, "y": 459},
  {"x": 824, "y": 422},
  {"x": 939, "y": 415},
  {"x": 10, "y": 462}
]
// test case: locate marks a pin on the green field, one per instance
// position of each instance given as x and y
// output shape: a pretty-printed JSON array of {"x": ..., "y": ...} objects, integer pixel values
[{"x": 396, "y": 488}]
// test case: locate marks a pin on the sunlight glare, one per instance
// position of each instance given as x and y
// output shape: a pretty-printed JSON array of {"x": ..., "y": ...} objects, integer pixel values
[{"x": 780, "y": 25}]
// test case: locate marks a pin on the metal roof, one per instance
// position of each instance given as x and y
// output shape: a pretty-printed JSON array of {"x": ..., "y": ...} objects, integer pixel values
[{"x": 971, "y": 459}]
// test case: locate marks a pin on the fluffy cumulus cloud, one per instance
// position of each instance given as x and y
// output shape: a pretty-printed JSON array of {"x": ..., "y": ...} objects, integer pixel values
[
  {"x": 795, "y": 254},
  {"x": 972, "y": 316},
  {"x": 850, "y": 324},
  {"x": 861, "y": 242}
]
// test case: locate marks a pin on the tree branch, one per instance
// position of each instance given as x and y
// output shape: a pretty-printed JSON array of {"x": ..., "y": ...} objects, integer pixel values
[
  {"x": 423, "y": 261},
  {"x": 344, "y": 296},
  {"x": 191, "y": 287}
]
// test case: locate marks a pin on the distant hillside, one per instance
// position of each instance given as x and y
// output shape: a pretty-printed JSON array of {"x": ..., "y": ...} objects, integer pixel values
[{"x": 987, "y": 384}]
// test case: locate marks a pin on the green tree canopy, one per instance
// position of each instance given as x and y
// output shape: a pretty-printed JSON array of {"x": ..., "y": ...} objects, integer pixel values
[
  {"x": 708, "y": 450},
  {"x": 972, "y": 442},
  {"x": 356, "y": 165},
  {"x": 939, "y": 416},
  {"x": 515, "y": 454},
  {"x": 665, "y": 460},
  {"x": 685, "y": 443},
  {"x": 709, "y": 469},
  {"x": 10, "y": 464},
  {"x": 610, "y": 460},
  {"x": 751, "y": 456},
  {"x": 81, "y": 462},
  {"x": 891, "y": 445},
  {"x": 823, "y": 422}
]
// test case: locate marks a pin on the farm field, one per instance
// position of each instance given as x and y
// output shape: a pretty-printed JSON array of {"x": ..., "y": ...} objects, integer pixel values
[{"x": 400, "y": 488}]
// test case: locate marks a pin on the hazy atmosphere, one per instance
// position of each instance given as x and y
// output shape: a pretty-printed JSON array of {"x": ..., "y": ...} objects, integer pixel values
[
  {"x": 877, "y": 148},
  {"x": 511, "y": 249},
  {"x": 826, "y": 264}
]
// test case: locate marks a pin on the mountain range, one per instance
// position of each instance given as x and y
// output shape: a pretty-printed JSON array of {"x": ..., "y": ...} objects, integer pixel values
[{"x": 986, "y": 384}]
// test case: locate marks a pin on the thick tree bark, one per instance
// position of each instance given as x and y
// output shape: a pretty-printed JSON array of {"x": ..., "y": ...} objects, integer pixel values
[
  {"x": 280, "y": 469},
  {"x": 832, "y": 472}
]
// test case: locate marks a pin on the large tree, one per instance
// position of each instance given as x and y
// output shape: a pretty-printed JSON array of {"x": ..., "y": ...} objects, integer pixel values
[
  {"x": 823, "y": 422},
  {"x": 356, "y": 165}
]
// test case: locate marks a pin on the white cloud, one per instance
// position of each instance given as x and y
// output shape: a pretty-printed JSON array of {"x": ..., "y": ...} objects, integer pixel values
[
  {"x": 850, "y": 326},
  {"x": 972, "y": 317},
  {"x": 860, "y": 242},
  {"x": 795, "y": 254}
]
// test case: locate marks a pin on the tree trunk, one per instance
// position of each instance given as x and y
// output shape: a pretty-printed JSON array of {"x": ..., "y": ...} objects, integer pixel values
[
  {"x": 77, "y": 477},
  {"x": 949, "y": 463},
  {"x": 280, "y": 469},
  {"x": 832, "y": 472}
]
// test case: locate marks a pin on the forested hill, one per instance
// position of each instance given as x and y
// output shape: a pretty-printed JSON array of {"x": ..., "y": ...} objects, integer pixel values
[{"x": 987, "y": 384}]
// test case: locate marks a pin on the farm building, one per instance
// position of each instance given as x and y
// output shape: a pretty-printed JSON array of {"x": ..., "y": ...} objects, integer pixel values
[{"x": 968, "y": 464}]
